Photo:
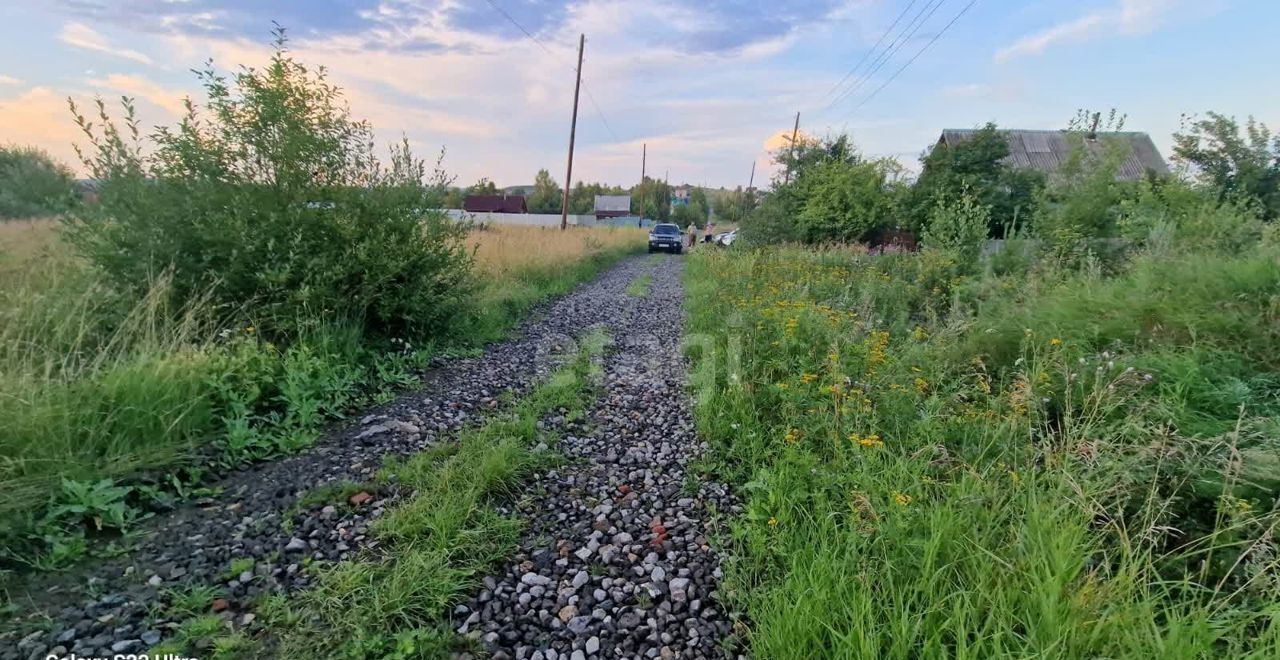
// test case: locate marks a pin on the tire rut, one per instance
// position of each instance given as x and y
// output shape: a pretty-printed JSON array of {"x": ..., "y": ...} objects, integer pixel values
[{"x": 615, "y": 561}]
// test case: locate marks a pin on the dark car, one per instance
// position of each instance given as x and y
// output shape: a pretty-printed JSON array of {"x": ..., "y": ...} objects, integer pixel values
[{"x": 666, "y": 236}]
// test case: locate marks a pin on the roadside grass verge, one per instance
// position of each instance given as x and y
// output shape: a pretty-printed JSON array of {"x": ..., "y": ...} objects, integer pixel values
[
  {"x": 437, "y": 543},
  {"x": 939, "y": 466},
  {"x": 114, "y": 407},
  {"x": 639, "y": 287}
]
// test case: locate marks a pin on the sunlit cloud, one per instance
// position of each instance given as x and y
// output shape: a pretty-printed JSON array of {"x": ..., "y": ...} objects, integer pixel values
[
  {"x": 1128, "y": 17},
  {"x": 83, "y": 36},
  {"x": 171, "y": 100}
]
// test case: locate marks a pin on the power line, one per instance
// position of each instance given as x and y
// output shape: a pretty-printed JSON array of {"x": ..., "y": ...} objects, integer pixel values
[
  {"x": 892, "y": 49},
  {"x": 873, "y": 49},
  {"x": 543, "y": 46},
  {"x": 917, "y": 55}
]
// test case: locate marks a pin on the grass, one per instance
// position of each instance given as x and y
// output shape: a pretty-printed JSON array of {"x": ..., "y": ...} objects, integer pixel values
[
  {"x": 525, "y": 265},
  {"x": 441, "y": 539},
  {"x": 945, "y": 465},
  {"x": 639, "y": 287},
  {"x": 97, "y": 387}
]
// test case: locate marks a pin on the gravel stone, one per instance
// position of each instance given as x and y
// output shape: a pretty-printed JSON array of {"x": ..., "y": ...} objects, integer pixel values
[{"x": 624, "y": 484}]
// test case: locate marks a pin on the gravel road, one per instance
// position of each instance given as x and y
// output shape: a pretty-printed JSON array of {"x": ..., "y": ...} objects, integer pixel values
[
  {"x": 628, "y": 572},
  {"x": 615, "y": 561}
]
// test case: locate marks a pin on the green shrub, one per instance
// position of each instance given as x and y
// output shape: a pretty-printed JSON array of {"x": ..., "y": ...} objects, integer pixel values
[
  {"x": 958, "y": 226},
  {"x": 271, "y": 201},
  {"x": 32, "y": 183}
]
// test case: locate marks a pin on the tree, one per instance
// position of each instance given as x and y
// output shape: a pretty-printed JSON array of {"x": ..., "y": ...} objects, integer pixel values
[
  {"x": 483, "y": 187},
  {"x": 32, "y": 183},
  {"x": 976, "y": 165},
  {"x": 833, "y": 194},
  {"x": 582, "y": 198},
  {"x": 1239, "y": 166},
  {"x": 547, "y": 195},
  {"x": 844, "y": 200},
  {"x": 734, "y": 205},
  {"x": 651, "y": 198},
  {"x": 270, "y": 199}
]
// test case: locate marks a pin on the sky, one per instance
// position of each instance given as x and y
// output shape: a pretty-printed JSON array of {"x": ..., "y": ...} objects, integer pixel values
[{"x": 710, "y": 86}]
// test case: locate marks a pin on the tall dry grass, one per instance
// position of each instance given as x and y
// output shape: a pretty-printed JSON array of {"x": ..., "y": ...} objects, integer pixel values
[{"x": 502, "y": 250}]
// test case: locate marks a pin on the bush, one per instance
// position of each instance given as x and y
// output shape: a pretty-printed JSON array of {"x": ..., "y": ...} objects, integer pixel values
[
  {"x": 32, "y": 184},
  {"x": 958, "y": 226},
  {"x": 271, "y": 200}
]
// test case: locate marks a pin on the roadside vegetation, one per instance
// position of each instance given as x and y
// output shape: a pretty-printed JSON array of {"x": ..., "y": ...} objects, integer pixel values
[
  {"x": 183, "y": 325},
  {"x": 1066, "y": 448},
  {"x": 432, "y": 548}
]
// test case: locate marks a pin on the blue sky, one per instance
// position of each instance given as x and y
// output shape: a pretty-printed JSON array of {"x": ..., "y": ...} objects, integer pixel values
[{"x": 709, "y": 85}]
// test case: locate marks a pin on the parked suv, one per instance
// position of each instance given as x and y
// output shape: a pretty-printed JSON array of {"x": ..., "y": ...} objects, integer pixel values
[{"x": 666, "y": 236}]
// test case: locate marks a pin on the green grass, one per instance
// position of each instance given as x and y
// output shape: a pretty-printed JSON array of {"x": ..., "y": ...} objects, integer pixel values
[
  {"x": 1049, "y": 466},
  {"x": 639, "y": 287},
  {"x": 95, "y": 386},
  {"x": 439, "y": 541}
]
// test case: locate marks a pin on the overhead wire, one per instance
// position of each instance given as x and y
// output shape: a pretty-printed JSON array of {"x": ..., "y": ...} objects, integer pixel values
[
  {"x": 590, "y": 97},
  {"x": 917, "y": 55},
  {"x": 918, "y": 21},
  {"x": 874, "y": 48}
]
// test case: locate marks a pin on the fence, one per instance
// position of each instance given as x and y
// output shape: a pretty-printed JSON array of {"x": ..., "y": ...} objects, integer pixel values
[{"x": 531, "y": 219}]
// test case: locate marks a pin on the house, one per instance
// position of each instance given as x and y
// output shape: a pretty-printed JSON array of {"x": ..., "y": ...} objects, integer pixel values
[
  {"x": 612, "y": 206},
  {"x": 495, "y": 204},
  {"x": 680, "y": 195},
  {"x": 1046, "y": 151}
]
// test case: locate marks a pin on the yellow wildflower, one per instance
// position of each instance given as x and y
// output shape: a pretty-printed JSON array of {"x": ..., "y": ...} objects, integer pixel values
[
  {"x": 872, "y": 441},
  {"x": 782, "y": 386},
  {"x": 922, "y": 385},
  {"x": 792, "y": 436},
  {"x": 249, "y": 329},
  {"x": 1055, "y": 342},
  {"x": 808, "y": 378},
  {"x": 902, "y": 499},
  {"x": 773, "y": 522}
]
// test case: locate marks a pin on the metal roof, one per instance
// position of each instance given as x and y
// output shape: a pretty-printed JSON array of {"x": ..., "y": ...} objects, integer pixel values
[
  {"x": 1046, "y": 151},
  {"x": 494, "y": 204},
  {"x": 613, "y": 203}
]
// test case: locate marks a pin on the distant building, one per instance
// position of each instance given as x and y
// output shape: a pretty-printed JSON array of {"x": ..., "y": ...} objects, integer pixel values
[
  {"x": 1046, "y": 151},
  {"x": 519, "y": 190},
  {"x": 87, "y": 190},
  {"x": 680, "y": 195},
  {"x": 612, "y": 206},
  {"x": 495, "y": 204}
]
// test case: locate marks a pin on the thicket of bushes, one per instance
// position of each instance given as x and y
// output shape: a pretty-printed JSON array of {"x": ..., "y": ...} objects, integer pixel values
[
  {"x": 32, "y": 184},
  {"x": 246, "y": 276},
  {"x": 1067, "y": 448},
  {"x": 826, "y": 192}
]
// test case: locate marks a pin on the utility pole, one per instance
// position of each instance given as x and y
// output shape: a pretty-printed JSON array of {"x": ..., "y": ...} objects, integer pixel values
[
  {"x": 752, "y": 181},
  {"x": 794, "y": 132},
  {"x": 644, "y": 158},
  {"x": 573, "y": 130}
]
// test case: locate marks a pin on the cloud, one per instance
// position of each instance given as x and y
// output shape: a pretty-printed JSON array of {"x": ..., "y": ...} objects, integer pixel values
[
  {"x": 138, "y": 87},
  {"x": 1000, "y": 92},
  {"x": 83, "y": 36},
  {"x": 9, "y": 80},
  {"x": 39, "y": 117},
  {"x": 1128, "y": 17}
]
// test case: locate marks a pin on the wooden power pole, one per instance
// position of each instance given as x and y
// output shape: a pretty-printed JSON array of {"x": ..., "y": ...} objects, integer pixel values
[
  {"x": 794, "y": 132},
  {"x": 573, "y": 130}
]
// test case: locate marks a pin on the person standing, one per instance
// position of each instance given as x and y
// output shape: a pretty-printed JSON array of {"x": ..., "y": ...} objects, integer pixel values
[
  {"x": 693, "y": 234},
  {"x": 708, "y": 232}
]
